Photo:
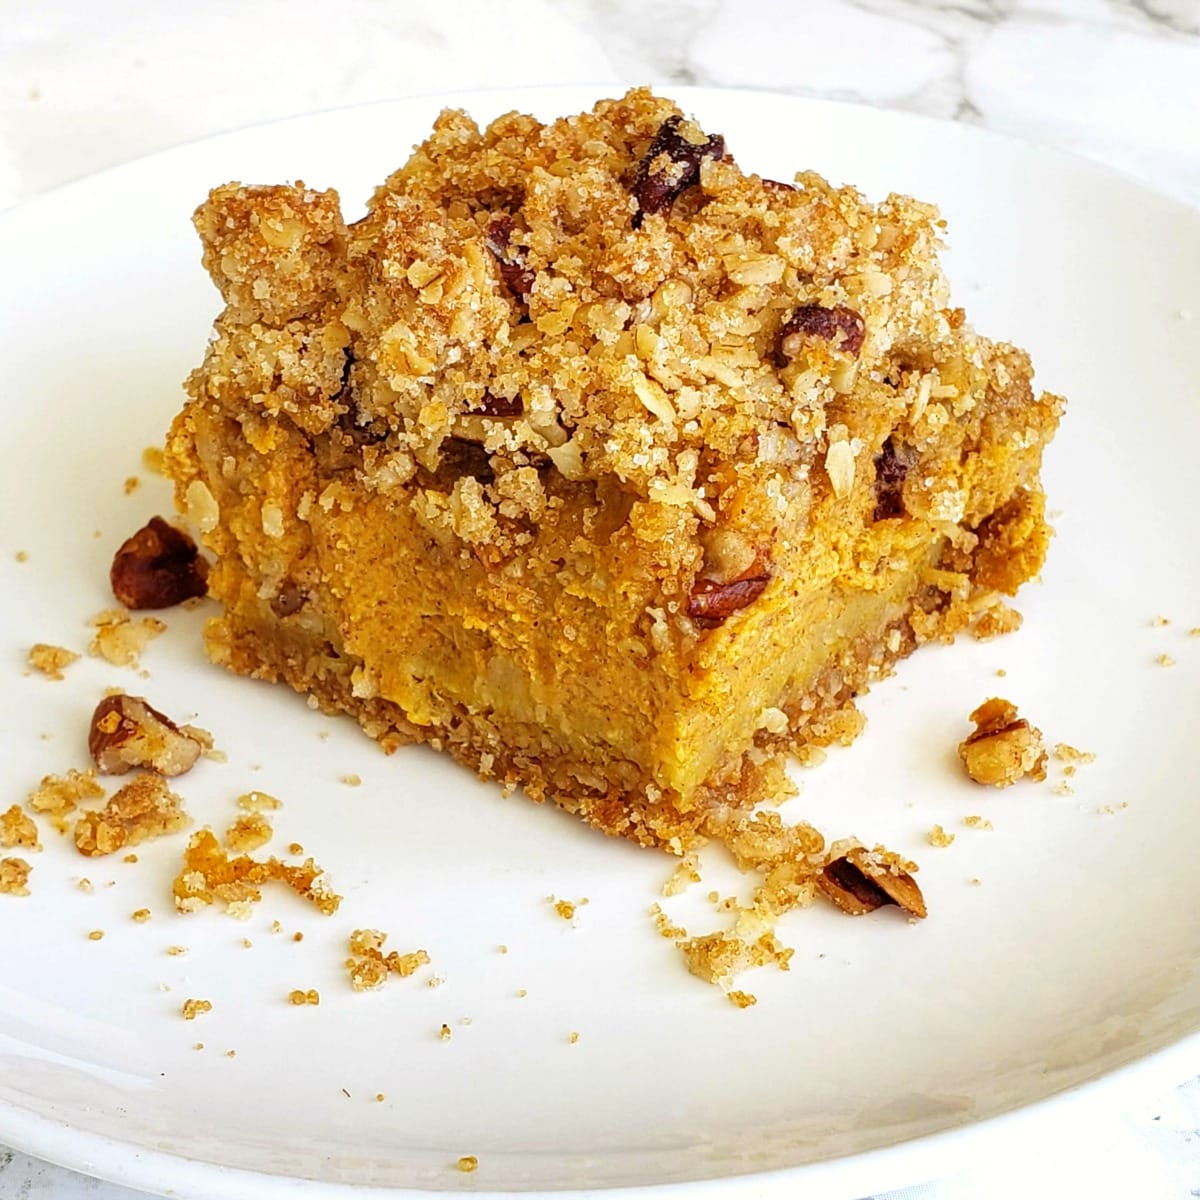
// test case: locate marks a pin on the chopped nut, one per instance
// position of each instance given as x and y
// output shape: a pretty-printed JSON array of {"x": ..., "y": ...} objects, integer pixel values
[
  {"x": 839, "y": 466},
  {"x": 859, "y": 881},
  {"x": 209, "y": 875},
  {"x": 158, "y": 567},
  {"x": 1004, "y": 746},
  {"x": 842, "y": 328},
  {"x": 710, "y": 603},
  {"x": 14, "y": 877},
  {"x": 18, "y": 830},
  {"x": 193, "y": 1008},
  {"x": 144, "y": 808},
  {"x": 891, "y": 469},
  {"x": 51, "y": 660},
  {"x": 128, "y": 732},
  {"x": 511, "y": 263},
  {"x": 671, "y": 165}
]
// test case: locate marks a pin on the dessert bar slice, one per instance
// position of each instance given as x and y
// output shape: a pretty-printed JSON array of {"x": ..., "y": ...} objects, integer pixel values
[{"x": 598, "y": 461}]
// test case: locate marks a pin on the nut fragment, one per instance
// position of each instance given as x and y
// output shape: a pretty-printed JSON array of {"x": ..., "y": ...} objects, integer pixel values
[
  {"x": 128, "y": 732},
  {"x": 859, "y": 881},
  {"x": 711, "y": 603},
  {"x": 510, "y": 259},
  {"x": 1004, "y": 746},
  {"x": 159, "y": 566},
  {"x": 842, "y": 327},
  {"x": 491, "y": 405},
  {"x": 672, "y": 165},
  {"x": 891, "y": 469}
]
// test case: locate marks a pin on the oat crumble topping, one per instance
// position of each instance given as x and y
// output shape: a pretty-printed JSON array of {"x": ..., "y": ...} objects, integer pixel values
[
  {"x": 18, "y": 831},
  {"x": 119, "y": 639},
  {"x": 144, "y": 808},
  {"x": 14, "y": 877},
  {"x": 50, "y": 659},
  {"x": 369, "y": 967},
  {"x": 939, "y": 837}
]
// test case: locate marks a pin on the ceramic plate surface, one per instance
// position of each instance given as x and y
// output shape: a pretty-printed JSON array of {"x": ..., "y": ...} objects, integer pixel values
[{"x": 1072, "y": 958}]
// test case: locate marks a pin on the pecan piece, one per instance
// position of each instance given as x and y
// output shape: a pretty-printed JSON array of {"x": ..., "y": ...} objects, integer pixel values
[
  {"x": 159, "y": 566},
  {"x": 711, "y": 603},
  {"x": 1004, "y": 746},
  {"x": 672, "y": 165},
  {"x": 291, "y": 599},
  {"x": 861, "y": 880},
  {"x": 891, "y": 469},
  {"x": 127, "y": 732},
  {"x": 841, "y": 326},
  {"x": 491, "y": 405},
  {"x": 510, "y": 259}
]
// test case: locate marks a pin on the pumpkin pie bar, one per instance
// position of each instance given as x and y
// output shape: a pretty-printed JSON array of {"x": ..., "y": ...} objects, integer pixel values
[{"x": 597, "y": 461}]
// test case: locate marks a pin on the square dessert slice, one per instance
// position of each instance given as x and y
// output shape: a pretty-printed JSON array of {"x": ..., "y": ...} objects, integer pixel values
[{"x": 589, "y": 457}]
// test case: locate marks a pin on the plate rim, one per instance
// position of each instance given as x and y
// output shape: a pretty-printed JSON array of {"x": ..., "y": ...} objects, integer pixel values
[{"x": 124, "y": 1163}]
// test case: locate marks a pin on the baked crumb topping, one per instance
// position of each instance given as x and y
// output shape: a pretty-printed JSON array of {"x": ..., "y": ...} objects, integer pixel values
[
  {"x": 58, "y": 795},
  {"x": 18, "y": 830},
  {"x": 50, "y": 659},
  {"x": 195, "y": 1008},
  {"x": 119, "y": 639},
  {"x": 14, "y": 877},
  {"x": 209, "y": 875},
  {"x": 369, "y": 967},
  {"x": 144, "y": 808},
  {"x": 248, "y": 833},
  {"x": 1004, "y": 746}
]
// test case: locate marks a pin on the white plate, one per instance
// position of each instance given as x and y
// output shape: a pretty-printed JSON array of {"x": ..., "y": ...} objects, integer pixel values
[{"x": 1074, "y": 957}]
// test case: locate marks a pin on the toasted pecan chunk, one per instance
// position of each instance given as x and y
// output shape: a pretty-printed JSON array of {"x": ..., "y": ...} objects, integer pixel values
[
  {"x": 128, "y": 732},
  {"x": 841, "y": 327},
  {"x": 711, "y": 603},
  {"x": 1004, "y": 746},
  {"x": 672, "y": 164},
  {"x": 158, "y": 567},
  {"x": 859, "y": 881}
]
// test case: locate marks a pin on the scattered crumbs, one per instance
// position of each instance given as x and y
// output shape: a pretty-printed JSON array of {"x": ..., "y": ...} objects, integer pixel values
[
  {"x": 1001, "y": 672},
  {"x": 132, "y": 483},
  {"x": 97, "y": 534},
  {"x": 152, "y": 459},
  {"x": 22, "y": 556},
  {"x": 740, "y": 999},
  {"x": 297, "y": 936},
  {"x": 939, "y": 837},
  {"x": 247, "y": 944},
  {"x": 503, "y": 949},
  {"x": 323, "y": 735},
  {"x": 369, "y": 967},
  {"x": 96, "y": 935},
  {"x": 1160, "y": 621},
  {"x": 352, "y": 780},
  {"x": 1070, "y": 770},
  {"x": 573, "y": 1036},
  {"x": 251, "y": 831},
  {"x": 1194, "y": 631},
  {"x": 295, "y": 848},
  {"x": 684, "y": 875},
  {"x": 666, "y": 928},
  {"x": 276, "y": 927},
  {"x": 975, "y": 882},
  {"x": 436, "y": 980},
  {"x": 197, "y": 1045},
  {"x": 208, "y": 875},
  {"x": 119, "y": 639},
  {"x": 379, "y": 1097},
  {"x": 130, "y": 858},
  {"x": 18, "y": 831},
  {"x": 464, "y": 1020},
  {"x": 1069, "y": 754},
  {"x": 1165, "y": 660},
  {"x": 712, "y": 897},
  {"x": 58, "y": 795},
  {"x": 257, "y": 802},
  {"x": 231, "y": 1054},
  {"x": 444, "y": 1032},
  {"x": 14, "y": 877},
  {"x": 176, "y": 951},
  {"x": 1063, "y": 788},
  {"x": 298, "y": 996},
  {"x": 521, "y": 993},
  {"x": 567, "y": 908},
  {"x": 140, "y": 915},
  {"x": 977, "y": 822},
  {"x": 50, "y": 659},
  {"x": 467, "y": 1163},
  {"x": 84, "y": 884},
  {"x": 144, "y": 808}
]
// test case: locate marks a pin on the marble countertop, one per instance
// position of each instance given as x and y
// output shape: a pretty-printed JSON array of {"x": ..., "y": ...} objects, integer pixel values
[{"x": 85, "y": 85}]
